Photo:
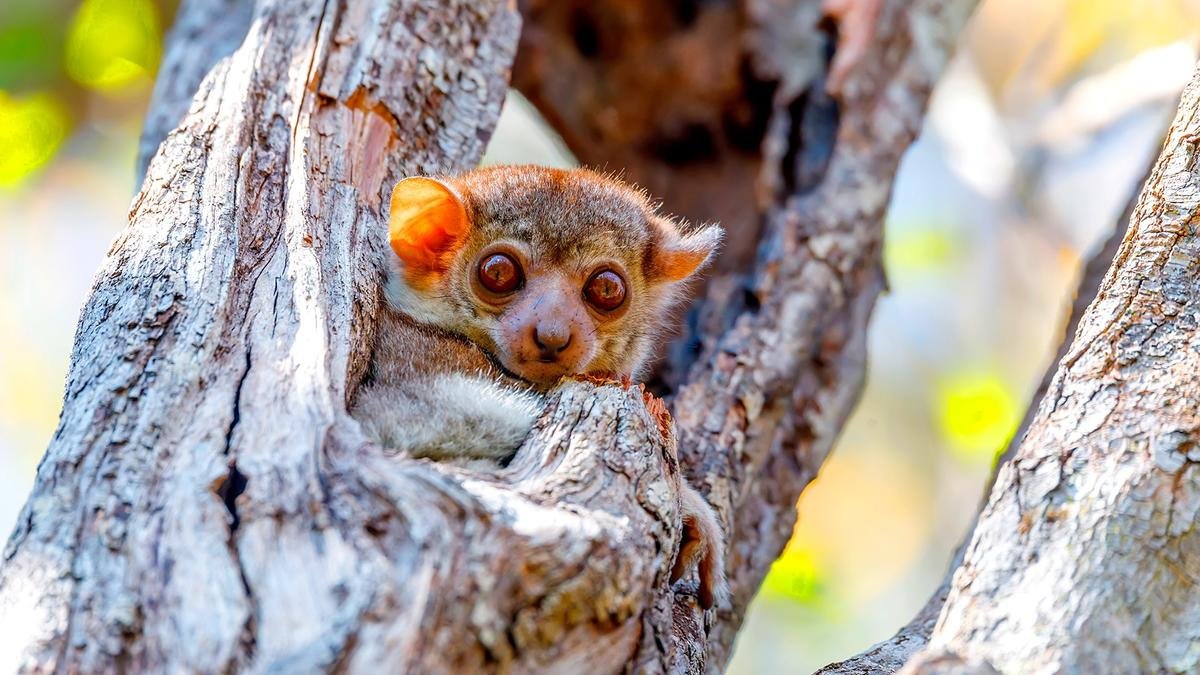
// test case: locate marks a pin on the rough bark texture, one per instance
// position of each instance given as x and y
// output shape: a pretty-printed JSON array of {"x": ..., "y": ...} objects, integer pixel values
[
  {"x": 207, "y": 504},
  {"x": 1085, "y": 558},
  {"x": 203, "y": 33}
]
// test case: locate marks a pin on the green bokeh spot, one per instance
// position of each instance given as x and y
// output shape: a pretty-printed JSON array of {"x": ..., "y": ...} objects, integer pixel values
[
  {"x": 797, "y": 575},
  {"x": 29, "y": 48}
]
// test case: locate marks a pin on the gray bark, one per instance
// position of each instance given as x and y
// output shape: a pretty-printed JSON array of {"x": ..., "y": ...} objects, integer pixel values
[
  {"x": 208, "y": 505},
  {"x": 203, "y": 33},
  {"x": 214, "y": 357}
]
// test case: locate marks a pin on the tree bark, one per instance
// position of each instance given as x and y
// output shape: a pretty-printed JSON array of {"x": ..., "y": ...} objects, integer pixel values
[
  {"x": 213, "y": 361},
  {"x": 204, "y": 32},
  {"x": 1085, "y": 557},
  {"x": 207, "y": 504}
]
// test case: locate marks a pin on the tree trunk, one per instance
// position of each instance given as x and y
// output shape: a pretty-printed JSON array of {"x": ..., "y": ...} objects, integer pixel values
[
  {"x": 1085, "y": 558},
  {"x": 214, "y": 358},
  {"x": 204, "y": 33},
  {"x": 208, "y": 505}
]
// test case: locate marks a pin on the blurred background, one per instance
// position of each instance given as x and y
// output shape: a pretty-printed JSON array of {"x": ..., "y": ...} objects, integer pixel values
[{"x": 1035, "y": 140}]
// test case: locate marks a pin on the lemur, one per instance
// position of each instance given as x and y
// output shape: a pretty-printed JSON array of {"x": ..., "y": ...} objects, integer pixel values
[{"x": 506, "y": 279}]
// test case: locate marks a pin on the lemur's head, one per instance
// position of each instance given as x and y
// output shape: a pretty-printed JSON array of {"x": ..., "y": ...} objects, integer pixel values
[{"x": 555, "y": 272}]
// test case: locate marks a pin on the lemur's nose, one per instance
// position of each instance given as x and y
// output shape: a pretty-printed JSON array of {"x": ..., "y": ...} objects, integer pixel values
[{"x": 551, "y": 341}]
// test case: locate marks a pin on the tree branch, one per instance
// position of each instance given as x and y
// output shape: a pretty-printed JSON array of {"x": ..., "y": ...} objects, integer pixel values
[
  {"x": 889, "y": 656},
  {"x": 205, "y": 31}
]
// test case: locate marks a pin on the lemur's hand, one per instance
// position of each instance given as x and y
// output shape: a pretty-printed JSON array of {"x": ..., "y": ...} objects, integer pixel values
[{"x": 703, "y": 547}]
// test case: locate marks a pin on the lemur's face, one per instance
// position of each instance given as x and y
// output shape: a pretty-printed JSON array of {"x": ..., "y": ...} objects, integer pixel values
[
  {"x": 546, "y": 319},
  {"x": 552, "y": 272}
]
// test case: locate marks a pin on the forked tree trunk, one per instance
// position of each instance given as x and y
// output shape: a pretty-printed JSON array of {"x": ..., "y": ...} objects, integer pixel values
[
  {"x": 206, "y": 503},
  {"x": 773, "y": 357}
]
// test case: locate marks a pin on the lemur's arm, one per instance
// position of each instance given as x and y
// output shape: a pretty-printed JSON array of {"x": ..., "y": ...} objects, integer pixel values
[
  {"x": 453, "y": 415},
  {"x": 433, "y": 395}
]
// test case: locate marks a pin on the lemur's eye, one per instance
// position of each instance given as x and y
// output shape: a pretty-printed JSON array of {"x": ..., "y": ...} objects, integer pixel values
[
  {"x": 499, "y": 273},
  {"x": 605, "y": 290}
]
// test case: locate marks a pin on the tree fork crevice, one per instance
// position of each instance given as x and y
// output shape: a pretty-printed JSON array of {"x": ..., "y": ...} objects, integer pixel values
[{"x": 778, "y": 347}]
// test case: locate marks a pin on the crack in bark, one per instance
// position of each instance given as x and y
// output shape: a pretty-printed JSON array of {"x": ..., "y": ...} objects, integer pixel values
[{"x": 812, "y": 130}]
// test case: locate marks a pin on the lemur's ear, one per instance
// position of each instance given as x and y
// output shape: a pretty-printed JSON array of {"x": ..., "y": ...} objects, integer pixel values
[
  {"x": 427, "y": 221},
  {"x": 675, "y": 255}
]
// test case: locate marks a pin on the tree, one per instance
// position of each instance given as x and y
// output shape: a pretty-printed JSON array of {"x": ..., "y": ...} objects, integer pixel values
[{"x": 206, "y": 503}]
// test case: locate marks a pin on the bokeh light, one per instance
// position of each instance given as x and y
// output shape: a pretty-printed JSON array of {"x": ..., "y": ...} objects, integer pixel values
[
  {"x": 31, "y": 130},
  {"x": 30, "y": 49},
  {"x": 114, "y": 45},
  {"x": 977, "y": 414},
  {"x": 917, "y": 251},
  {"x": 798, "y": 575}
]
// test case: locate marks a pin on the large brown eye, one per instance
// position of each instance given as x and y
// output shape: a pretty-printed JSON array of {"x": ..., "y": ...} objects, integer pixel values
[
  {"x": 605, "y": 290},
  {"x": 499, "y": 273}
]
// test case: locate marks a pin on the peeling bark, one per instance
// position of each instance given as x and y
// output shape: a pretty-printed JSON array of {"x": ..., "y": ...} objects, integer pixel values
[
  {"x": 208, "y": 505},
  {"x": 1085, "y": 557}
]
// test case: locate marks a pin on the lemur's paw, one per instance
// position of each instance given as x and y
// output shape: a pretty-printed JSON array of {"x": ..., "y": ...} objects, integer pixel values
[{"x": 703, "y": 547}]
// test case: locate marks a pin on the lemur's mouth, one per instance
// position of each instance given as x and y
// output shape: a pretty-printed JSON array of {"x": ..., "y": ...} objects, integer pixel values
[
  {"x": 542, "y": 372},
  {"x": 543, "y": 369}
]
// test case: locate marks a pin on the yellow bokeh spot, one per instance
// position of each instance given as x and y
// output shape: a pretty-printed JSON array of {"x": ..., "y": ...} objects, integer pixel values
[
  {"x": 113, "y": 44},
  {"x": 31, "y": 130},
  {"x": 977, "y": 414},
  {"x": 918, "y": 251},
  {"x": 796, "y": 575}
]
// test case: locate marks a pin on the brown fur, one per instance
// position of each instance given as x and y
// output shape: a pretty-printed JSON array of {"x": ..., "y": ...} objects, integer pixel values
[{"x": 459, "y": 371}]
